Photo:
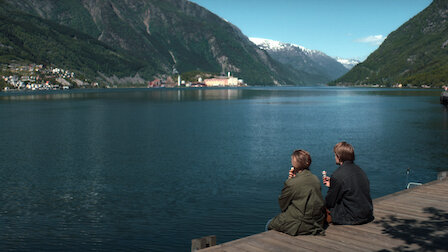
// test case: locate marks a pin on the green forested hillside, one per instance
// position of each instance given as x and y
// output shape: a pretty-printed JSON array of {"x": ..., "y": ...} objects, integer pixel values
[
  {"x": 159, "y": 37},
  {"x": 27, "y": 38},
  {"x": 415, "y": 54}
]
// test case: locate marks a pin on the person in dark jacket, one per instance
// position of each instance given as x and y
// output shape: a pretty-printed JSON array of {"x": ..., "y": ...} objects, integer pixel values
[
  {"x": 348, "y": 198},
  {"x": 301, "y": 200}
]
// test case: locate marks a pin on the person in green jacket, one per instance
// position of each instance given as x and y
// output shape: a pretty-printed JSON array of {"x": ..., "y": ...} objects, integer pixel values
[{"x": 300, "y": 201}]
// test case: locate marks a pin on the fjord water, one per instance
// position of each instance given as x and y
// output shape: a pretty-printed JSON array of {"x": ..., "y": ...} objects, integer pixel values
[{"x": 150, "y": 170}]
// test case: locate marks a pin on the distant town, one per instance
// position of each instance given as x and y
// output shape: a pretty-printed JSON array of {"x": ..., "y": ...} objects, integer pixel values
[
  {"x": 41, "y": 77},
  {"x": 216, "y": 81}
]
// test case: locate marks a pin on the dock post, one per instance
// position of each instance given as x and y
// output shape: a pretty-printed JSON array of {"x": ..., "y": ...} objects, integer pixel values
[
  {"x": 204, "y": 242},
  {"x": 442, "y": 175}
]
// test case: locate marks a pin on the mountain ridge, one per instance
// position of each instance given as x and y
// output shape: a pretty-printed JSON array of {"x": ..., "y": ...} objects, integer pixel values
[
  {"x": 415, "y": 54},
  {"x": 170, "y": 36},
  {"x": 317, "y": 67},
  {"x": 28, "y": 38}
]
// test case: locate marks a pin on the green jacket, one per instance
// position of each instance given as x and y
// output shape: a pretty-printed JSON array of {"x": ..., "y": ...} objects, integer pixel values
[{"x": 302, "y": 206}]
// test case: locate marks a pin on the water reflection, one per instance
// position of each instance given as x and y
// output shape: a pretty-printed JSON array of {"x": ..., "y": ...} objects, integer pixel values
[
  {"x": 86, "y": 168},
  {"x": 157, "y": 95},
  {"x": 203, "y": 94}
]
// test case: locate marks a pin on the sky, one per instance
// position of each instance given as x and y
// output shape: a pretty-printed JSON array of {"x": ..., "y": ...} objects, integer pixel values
[{"x": 350, "y": 29}]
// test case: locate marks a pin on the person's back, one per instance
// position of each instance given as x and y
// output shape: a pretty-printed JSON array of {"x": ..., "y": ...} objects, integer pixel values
[
  {"x": 300, "y": 201},
  {"x": 348, "y": 198}
]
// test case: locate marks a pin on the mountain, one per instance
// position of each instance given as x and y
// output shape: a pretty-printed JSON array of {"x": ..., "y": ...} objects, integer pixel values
[
  {"x": 29, "y": 39},
  {"x": 158, "y": 37},
  {"x": 348, "y": 63},
  {"x": 414, "y": 54},
  {"x": 315, "y": 66}
]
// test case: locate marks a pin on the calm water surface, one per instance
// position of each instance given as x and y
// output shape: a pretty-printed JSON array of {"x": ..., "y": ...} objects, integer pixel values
[{"x": 152, "y": 169}]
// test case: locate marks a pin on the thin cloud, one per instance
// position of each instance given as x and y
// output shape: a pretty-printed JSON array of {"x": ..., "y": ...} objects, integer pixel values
[{"x": 373, "y": 40}]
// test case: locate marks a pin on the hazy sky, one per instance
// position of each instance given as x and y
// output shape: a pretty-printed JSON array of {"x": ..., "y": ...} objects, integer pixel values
[{"x": 343, "y": 28}]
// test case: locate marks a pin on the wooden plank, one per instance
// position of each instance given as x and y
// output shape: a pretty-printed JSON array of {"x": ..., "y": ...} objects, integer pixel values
[
  {"x": 337, "y": 243},
  {"x": 329, "y": 245},
  {"x": 403, "y": 205},
  {"x": 245, "y": 245},
  {"x": 413, "y": 206},
  {"x": 437, "y": 183},
  {"x": 378, "y": 238},
  {"x": 238, "y": 245},
  {"x": 401, "y": 208},
  {"x": 376, "y": 230},
  {"x": 387, "y": 216},
  {"x": 413, "y": 198},
  {"x": 421, "y": 202},
  {"x": 272, "y": 244},
  {"x": 421, "y": 195},
  {"x": 228, "y": 246},
  {"x": 434, "y": 184},
  {"x": 249, "y": 246},
  {"x": 370, "y": 228},
  {"x": 432, "y": 192},
  {"x": 299, "y": 242},
  {"x": 355, "y": 241},
  {"x": 396, "y": 208},
  {"x": 428, "y": 195},
  {"x": 296, "y": 244},
  {"x": 337, "y": 233},
  {"x": 391, "y": 211},
  {"x": 394, "y": 211}
]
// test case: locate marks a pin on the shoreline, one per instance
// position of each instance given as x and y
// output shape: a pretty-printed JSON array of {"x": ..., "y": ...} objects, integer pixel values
[{"x": 53, "y": 91}]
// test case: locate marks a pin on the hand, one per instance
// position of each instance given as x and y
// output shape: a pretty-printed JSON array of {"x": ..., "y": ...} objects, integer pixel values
[
  {"x": 326, "y": 181},
  {"x": 291, "y": 173}
]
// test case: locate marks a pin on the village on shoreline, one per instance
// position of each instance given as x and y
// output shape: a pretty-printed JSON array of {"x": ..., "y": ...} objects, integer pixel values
[
  {"x": 40, "y": 77},
  {"x": 32, "y": 77}
]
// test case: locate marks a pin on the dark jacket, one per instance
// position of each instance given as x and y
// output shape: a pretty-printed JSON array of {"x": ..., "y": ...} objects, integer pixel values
[
  {"x": 302, "y": 206},
  {"x": 348, "y": 197}
]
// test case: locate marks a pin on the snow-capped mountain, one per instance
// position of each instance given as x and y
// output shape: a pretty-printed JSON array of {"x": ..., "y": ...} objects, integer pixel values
[
  {"x": 319, "y": 67},
  {"x": 272, "y": 45},
  {"x": 348, "y": 63}
]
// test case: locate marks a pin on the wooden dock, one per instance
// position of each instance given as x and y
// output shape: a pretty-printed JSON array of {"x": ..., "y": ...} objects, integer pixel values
[{"x": 411, "y": 220}]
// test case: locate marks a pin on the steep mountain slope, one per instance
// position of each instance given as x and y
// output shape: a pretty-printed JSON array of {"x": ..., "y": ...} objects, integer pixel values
[
  {"x": 415, "y": 54},
  {"x": 316, "y": 66},
  {"x": 27, "y": 38},
  {"x": 170, "y": 35}
]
